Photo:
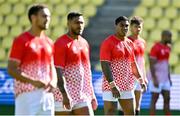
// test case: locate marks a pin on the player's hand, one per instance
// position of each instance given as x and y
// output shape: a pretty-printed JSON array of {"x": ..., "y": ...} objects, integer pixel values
[
  {"x": 170, "y": 82},
  {"x": 144, "y": 87},
  {"x": 66, "y": 101},
  {"x": 94, "y": 103},
  {"x": 38, "y": 84},
  {"x": 115, "y": 92},
  {"x": 155, "y": 82},
  {"x": 146, "y": 81}
]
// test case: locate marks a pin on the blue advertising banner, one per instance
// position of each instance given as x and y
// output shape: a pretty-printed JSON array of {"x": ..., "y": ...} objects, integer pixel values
[{"x": 7, "y": 91}]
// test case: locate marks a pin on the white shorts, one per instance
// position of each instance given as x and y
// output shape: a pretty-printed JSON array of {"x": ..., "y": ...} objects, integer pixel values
[
  {"x": 59, "y": 106},
  {"x": 107, "y": 95},
  {"x": 37, "y": 102},
  {"x": 137, "y": 86},
  {"x": 162, "y": 86}
]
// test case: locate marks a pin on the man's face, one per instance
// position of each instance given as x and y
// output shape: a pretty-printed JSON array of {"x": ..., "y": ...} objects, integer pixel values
[
  {"x": 122, "y": 28},
  {"x": 136, "y": 28},
  {"x": 76, "y": 25},
  {"x": 167, "y": 38},
  {"x": 43, "y": 18}
]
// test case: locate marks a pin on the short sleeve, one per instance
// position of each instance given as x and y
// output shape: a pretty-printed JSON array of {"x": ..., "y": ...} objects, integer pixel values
[
  {"x": 105, "y": 51},
  {"x": 153, "y": 52},
  {"x": 132, "y": 56},
  {"x": 59, "y": 55},
  {"x": 17, "y": 50}
]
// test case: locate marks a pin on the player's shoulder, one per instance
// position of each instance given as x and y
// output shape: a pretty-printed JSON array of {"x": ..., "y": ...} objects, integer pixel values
[
  {"x": 108, "y": 39},
  {"x": 156, "y": 45},
  {"x": 23, "y": 37},
  {"x": 142, "y": 40},
  {"x": 63, "y": 39},
  {"x": 83, "y": 40}
]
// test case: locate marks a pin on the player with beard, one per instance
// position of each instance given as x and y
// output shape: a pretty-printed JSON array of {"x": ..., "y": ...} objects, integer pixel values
[
  {"x": 136, "y": 25},
  {"x": 75, "y": 94},
  {"x": 160, "y": 73},
  {"x": 31, "y": 64},
  {"x": 119, "y": 70}
]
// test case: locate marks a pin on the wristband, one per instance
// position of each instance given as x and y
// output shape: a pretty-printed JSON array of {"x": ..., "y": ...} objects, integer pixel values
[
  {"x": 112, "y": 84},
  {"x": 141, "y": 81}
]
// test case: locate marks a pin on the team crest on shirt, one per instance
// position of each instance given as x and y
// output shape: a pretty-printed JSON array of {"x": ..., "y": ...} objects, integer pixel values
[
  {"x": 75, "y": 49},
  {"x": 162, "y": 52}
]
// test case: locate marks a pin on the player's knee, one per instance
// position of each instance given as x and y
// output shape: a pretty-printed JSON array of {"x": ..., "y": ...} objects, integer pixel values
[
  {"x": 110, "y": 110},
  {"x": 167, "y": 99}
]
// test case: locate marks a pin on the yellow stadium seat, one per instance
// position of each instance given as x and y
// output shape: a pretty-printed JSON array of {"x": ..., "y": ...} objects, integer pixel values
[
  {"x": 23, "y": 20},
  {"x": 97, "y": 2},
  {"x": 55, "y": 2},
  {"x": 3, "y": 30},
  {"x": 89, "y": 10},
  {"x": 149, "y": 23},
  {"x": 176, "y": 3},
  {"x": 54, "y": 20},
  {"x": 86, "y": 21},
  {"x": 3, "y": 64},
  {"x": 48, "y": 31},
  {"x": 5, "y": 8},
  {"x": 140, "y": 11},
  {"x": 82, "y": 2},
  {"x": 173, "y": 58},
  {"x": 176, "y": 47},
  {"x": 174, "y": 35},
  {"x": 3, "y": 54},
  {"x": 176, "y": 24},
  {"x": 163, "y": 4},
  {"x": 28, "y": 2},
  {"x": 63, "y": 21},
  {"x": 148, "y": 3},
  {"x": 10, "y": 20},
  {"x": 51, "y": 8},
  {"x": 177, "y": 68},
  {"x": 41, "y": 1},
  {"x": 145, "y": 34},
  {"x": 57, "y": 32},
  {"x": 156, "y": 12},
  {"x": 155, "y": 35},
  {"x": 68, "y": 2},
  {"x": 1, "y": 19},
  {"x": 163, "y": 23},
  {"x": 15, "y": 30},
  {"x": 7, "y": 42},
  {"x": 1, "y": 1},
  {"x": 74, "y": 7},
  {"x": 19, "y": 9},
  {"x": 171, "y": 13},
  {"x": 13, "y": 1},
  {"x": 60, "y": 9},
  {"x": 149, "y": 45}
]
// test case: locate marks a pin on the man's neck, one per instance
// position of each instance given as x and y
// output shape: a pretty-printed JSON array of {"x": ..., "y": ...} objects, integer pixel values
[
  {"x": 134, "y": 36},
  {"x": 73, "y": 36},
  {"x": 120, "y": 37},
  {"x": 36, "y": 32}
]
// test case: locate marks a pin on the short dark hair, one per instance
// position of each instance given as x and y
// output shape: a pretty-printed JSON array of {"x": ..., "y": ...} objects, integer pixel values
[
  {"x": 121, "y": 18},
  {"x": 72, "y": 15},
  {"x": 136, "y": 20},
  {"x": 34, "y": 9},
  {"x": 166, "y": 32}
]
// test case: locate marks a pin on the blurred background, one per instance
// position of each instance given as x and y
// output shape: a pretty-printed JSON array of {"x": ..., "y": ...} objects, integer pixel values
[{"x": 99, "y": 18}]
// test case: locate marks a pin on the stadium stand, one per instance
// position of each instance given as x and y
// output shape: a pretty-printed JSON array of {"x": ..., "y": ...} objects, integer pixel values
[
  {"x": 162, "y": 15},
  {"x": 99, "y": 16},
  {"x": 14, "y": 20},
  {"x": 157, "y": 14}
]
